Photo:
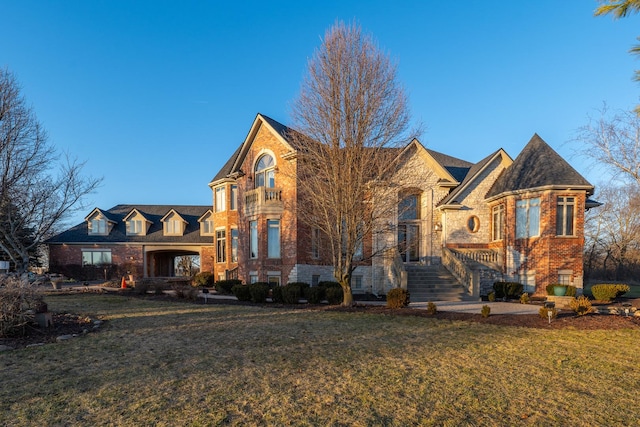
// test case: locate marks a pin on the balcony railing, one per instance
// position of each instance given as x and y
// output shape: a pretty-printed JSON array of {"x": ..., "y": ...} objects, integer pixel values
[{"x": 263, "y": 200}]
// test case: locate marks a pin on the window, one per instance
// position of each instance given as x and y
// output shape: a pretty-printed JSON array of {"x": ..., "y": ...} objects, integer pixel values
[
  {"x": 265, "y": 172},
  {"x": 273, "y": 279},
  {"x": 564, "y": 277},
  {"x": 409, "y": 208},
  {"x": 98, "y": 226},
  {"x": 473, "y": 224},
  {"x": 96, "y": 257},
  {"x": 234, "y": 198},
  {"x": 565, "y": 216},
  {"x": 315, "y": 243},
  {"x": 234, "y": 245},
  {"x": 253, "y": 278},
  {"x": 221, "y": 205},
  {"x": 273, "y": 238},
  {"x": 497, "y": 222},
  {"x": 134, "y": 226},
  {"x": 253, "y": 238},
  {"x": 315, "y": 279},
  {"x": 173, "y": 226},
  {"x": 207, "y": 226},
  {"x": 221, "y": 246},
  {"x": 357, "y": 283},
  {"x": 527, "y": 218}
]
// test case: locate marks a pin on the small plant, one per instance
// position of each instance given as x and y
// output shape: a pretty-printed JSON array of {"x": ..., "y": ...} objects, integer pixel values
[
  {"x": 486, "y": 311},
  {"x": 242, "y": 292},
  {"x": 491, "y": 297},
  {"x": 259, "y": 292},
  {"x": 580, "y": 305},
  {"x": 544, "y": 312},
  {"x": 204, "y": 278},
  {"x": 398, "y": 298},
  {"x": 431, "y": 308},
  {"x": 524, "y": 298},
  {"x": 607, "y": 292}
]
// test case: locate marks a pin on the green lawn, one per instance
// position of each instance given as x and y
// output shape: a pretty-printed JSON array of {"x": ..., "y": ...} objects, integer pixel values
[{"x": 178, "y": 364}]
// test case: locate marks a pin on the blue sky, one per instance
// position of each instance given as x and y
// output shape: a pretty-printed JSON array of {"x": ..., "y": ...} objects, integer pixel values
[{"x": 156, "y": 95}]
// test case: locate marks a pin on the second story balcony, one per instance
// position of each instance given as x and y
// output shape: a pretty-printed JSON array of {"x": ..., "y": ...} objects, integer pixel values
[{"x": 263, "y": 200}]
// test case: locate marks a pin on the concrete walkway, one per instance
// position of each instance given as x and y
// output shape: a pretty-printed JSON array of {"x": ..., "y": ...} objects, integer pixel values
[{"x": 475, "y": 307}]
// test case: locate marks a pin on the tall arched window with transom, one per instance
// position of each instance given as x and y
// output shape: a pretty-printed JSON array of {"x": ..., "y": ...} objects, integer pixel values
[{"x": 265, "y": 172}]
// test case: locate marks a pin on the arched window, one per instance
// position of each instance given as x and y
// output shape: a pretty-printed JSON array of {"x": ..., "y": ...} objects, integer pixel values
[{"x": 265, "y": 172}]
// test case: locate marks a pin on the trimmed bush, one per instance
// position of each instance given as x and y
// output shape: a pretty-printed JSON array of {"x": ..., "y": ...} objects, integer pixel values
[
  {"x": 302, "y": 285},
  {"x": 226, "y": 286},
  {"x": 491, "y": 297},
  {"x": 241, "y": 292},
  {"x": 186, "y": 292},
  {"x": 431, "y": 308},
  {"x": 398, "y": 298},
  {"x": 259, "y": 292},
  {"x": 334, "y": 295},
  {"x": 524, "y": 298},
  {"x": 291, "y": 293},
  {"x": 315, "y": 295},
  {"x": 277, "y": 294},
  {"x": 580, "y": 305},
  {"x": 204, "y": 278},
  {"x": 507, "y": 289},
  {"x": 328, "y": 285},
  {"x": 607, "y": 292},
  {"x": 141, "y": 288}
]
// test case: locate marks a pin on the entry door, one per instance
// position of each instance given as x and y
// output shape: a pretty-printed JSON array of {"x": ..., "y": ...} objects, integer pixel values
[{"x": 409, "y": 242}]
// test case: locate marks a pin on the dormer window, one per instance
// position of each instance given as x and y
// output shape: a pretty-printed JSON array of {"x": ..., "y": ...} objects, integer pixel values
[
  {"x": 173, "y": 226},
  {"x": 134, "y": 226},
  {"x": 206, "y": 224},
  {"x": 98, "y": 227},
  {"x": 265, "y": 172},
  {"x": 137, "y": 224}
]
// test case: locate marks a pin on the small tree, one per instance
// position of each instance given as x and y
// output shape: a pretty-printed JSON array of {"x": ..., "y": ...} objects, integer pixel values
[
  {"x": 350, "y": 113},
  {"x": 34, "y": 197}
]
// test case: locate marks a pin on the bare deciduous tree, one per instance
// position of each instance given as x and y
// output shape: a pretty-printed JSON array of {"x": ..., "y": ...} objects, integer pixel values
[
  {"x": 351, "y": 113},
  {"x": 38, "y": 188},
  {"x": 613, "y": 141}
]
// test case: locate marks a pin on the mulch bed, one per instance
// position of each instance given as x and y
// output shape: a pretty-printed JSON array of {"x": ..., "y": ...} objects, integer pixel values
[{"x": 63, "y": 324}]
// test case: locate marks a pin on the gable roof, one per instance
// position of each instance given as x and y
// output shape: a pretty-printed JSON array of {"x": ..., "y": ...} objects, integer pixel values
[
  {"x": 153, "y": 213},
  {"x": 458, "y": 168},
  {"x": 474, "y": 172},
  {"x": 538, "y": 166}
]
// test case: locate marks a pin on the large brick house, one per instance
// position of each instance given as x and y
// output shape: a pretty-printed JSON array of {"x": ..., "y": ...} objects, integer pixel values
[
  {"x": 498, "y": 219},
  {"x": 509, "y": 219}
]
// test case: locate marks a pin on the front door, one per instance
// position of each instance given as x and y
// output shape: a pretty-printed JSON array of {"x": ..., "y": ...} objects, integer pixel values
[{"x": 409, "y": 242}]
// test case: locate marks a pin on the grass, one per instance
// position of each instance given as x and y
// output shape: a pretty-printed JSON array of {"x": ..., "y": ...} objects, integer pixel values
[{"x": 166, "y": 364}]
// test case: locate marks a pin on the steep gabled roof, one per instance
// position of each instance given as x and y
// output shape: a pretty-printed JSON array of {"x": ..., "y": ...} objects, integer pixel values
[
  {"x": 473, "y": 173},
  {"x": 538, "y": 166},
  {"x": 133, "y": 212},
  {"x": 458, "y": 168},
  {"x": 153, "y": 213}
]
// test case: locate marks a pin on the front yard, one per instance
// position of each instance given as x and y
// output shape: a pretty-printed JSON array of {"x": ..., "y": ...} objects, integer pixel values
[{"x": 167, "y": 363}]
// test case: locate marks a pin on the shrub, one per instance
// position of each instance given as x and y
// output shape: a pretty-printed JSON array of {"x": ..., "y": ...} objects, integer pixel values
[
  {"x": 226, "y": 286},
  {"x": 486, "y": 311},
  {"x": 571, "y": 291},
  {"x": 291, "y": 293},
  {"x": 186, "y": 292},
  {"x": 302, "y": 285},
  {"x": 276, "y": 294},
  {"x": 17, "y": 302},
  {"x": 327, "y": 285},
  {"x": 241, "y": 292},
  {"x": 431, "y": 308},
  {"x": 204, "y": 278},
  {"x": 398, "y": 298},
  {"x": 259, "y": 292},
  {"x": 524, "y": 298},
  {"x": 543, "y": 312},
  {"x": 141, "y": 288},
  {"x": 315, "y": 295},
  {"x": 334, "y": 295},
  {"x": 607, "y": 292},
  {"x": 580, "y": 305},
  {"x": 491, "y": 297},
  {"x": 507, "y": 289}
]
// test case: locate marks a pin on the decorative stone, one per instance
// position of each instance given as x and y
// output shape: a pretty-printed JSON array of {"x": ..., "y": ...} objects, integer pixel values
[{"x": 64, "y": 338}]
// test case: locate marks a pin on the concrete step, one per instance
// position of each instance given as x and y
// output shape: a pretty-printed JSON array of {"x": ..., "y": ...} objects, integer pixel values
[{"x": 433, "y": 283}]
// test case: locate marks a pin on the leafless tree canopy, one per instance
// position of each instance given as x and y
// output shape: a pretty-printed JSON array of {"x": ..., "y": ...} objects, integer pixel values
[
  {"x": 613, "y": 141},
  {"x": 34, "y": 196},
  {"x": 352, "y": 116}
]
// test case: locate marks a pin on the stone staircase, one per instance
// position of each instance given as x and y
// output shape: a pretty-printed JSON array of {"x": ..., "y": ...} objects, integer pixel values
[{"x": 433, "y": 283}]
